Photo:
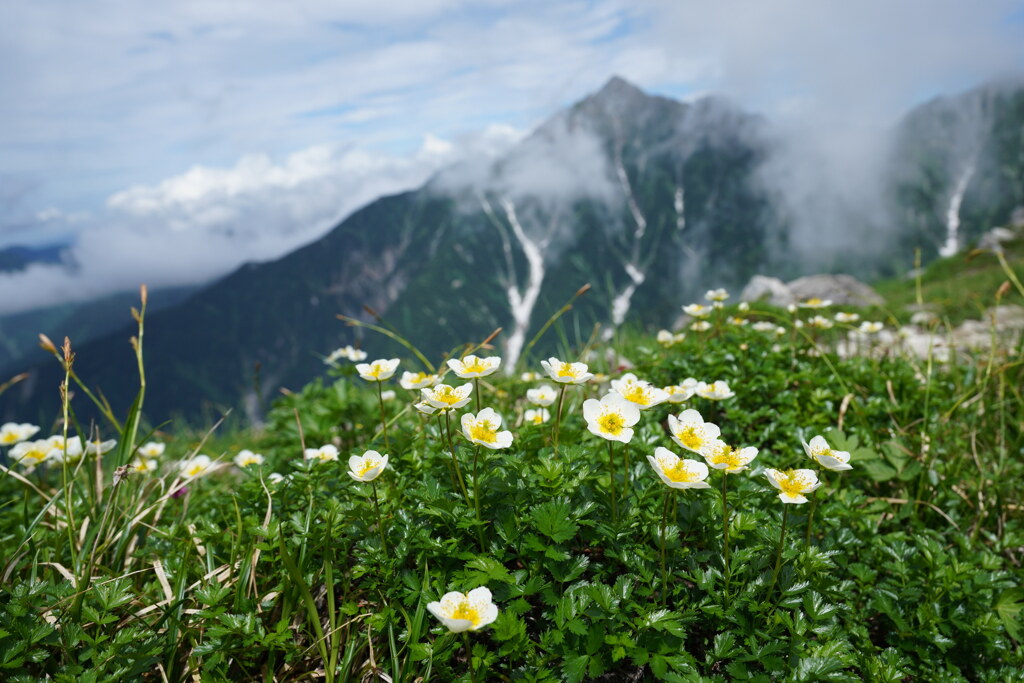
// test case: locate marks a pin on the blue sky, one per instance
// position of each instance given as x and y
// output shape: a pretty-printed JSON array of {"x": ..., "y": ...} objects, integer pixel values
[{"x": 181, "y": 117}]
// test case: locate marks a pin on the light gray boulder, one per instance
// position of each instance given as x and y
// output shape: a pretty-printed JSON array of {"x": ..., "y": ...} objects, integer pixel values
[
  {"x": 841, "y": 290},
  {"x": 769, "y": 289}
]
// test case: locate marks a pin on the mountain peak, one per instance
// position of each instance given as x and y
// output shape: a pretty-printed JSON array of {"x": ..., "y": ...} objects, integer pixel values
[{"x": 618, "y": 88}]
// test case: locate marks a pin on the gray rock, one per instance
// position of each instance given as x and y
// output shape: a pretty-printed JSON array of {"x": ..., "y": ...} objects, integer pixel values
[
  {"x": 993, "y": 239},
  {"x": 842, "y": 290},
  {"x": 769, "y": 289},
  {"x": 1008, "y": 317}
]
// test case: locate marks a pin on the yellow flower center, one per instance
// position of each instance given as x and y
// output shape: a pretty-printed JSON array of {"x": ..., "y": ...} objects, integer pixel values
[
  {"x": 194, "y": 470},
  {"x": 680, "y": 473},
  {"x": 8, "y": 438},
  {"x": 35, "y": 454},
  {"x": 376, "y": 369},
  {"x": 636, "y": 393},
  {"x": 728, "y": 456},
  {"x": 446, "y": 394},
  {"x": 367, "y": 465},
  {"x": 611, "y": 423},
  {"x": 476, "y": 366},
  {"x": 814, "y": 301},
  {"x": 537, "y": 418},
  {"x": 690, "y": 438},
  {"x": 466, "y": 611},
  {"x": 792, "y": 484},
  {"x": 483, "y": 431},
  {"x": 565, "y": 370}
]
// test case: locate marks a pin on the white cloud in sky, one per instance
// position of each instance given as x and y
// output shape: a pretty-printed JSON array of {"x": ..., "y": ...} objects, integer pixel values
[
  {"x": 288, "y": 115},
  {"x": 201, "y": 224}
]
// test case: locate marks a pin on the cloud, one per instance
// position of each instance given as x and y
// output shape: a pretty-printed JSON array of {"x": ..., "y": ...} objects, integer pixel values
[{"x": 200, "y": 224}]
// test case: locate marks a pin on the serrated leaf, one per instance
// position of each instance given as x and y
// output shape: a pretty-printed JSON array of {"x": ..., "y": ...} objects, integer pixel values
[
  {"x": 553, "y": 520},
  {"x": 1008, "y": 608}
]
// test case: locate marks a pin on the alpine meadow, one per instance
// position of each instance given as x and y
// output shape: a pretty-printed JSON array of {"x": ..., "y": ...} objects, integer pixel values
[{"x": 610, "y": 406}]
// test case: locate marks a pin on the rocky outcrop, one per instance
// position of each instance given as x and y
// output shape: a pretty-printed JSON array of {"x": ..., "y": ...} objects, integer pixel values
[{"x": 842, "y": 290}]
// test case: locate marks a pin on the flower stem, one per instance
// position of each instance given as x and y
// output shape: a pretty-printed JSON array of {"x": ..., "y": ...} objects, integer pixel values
[
  {"x": 778, "y": 556},
  {"x": 455, "y": 460},
  {"x": 664, "y": 521},
  {"x": 383, "y": 420},
  {"x": 558, "y": 417},
  {"x": 476, "y": 498},
  {"x": 725, "y": 527},
  {"x": 469, "y": 656},
  {"x": 611, "y": 484},
  {"x": 476, "y": 390},
  {"x": 380, "y": 521},
  {"x": 810, "y": 518}
]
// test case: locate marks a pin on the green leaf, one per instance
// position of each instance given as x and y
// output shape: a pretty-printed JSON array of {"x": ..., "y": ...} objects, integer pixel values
[
  {"x": 553, "y": 520},
  {"x": 1008, "y": 607}
]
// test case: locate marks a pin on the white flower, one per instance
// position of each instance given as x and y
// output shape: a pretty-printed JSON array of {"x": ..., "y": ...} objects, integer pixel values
[
  {"x": 352, "y": 354},
  {"x": 638, "y": 391},
  {"x": 700, "y": 326},
  {"x": 667, "y": 339},
  {"x": 152, "y": 449},
  {"x": 417, "y": 380},
  {"x": 722, "y": 456},
  {"x": 815, "y": 302},
  {"x": 529, "y": 377},
  {"x": 611, "y": 418},
  {"x": 29, "y": 454},
  {"x": 444, "y": 397},
  {"x": 868, "y": 327},
  {"x": 677, "y": 393},
  {"x": 763, "y": 326},
  {"x": 847, "y": 317},
  {"x": 679, "y": 473},
  {"x": 387, "y": 395},
  {"x": 697, "y": 310},
  {"x": 245, "y": 458},
  {"x": 472, "y": 366},
  {"x": 143, "y": 465},
  {"x": 60, "y": 451},
  {"x": 793, "y": 484},
  {"x": 323, "y": 454},
  {"x": 780, "y": 330},
  {"x": 566, "y": 373},
  {"x": 819, "y": 451},
  {"x": 368, "y": 466},
  {"x": 690, "y": 431},
  {"x": 542, "y": 396},
  {"x": 483, "y": 427},
  {"x": 716, "y": 391},
  {"x": 465, "y": 611},
  {"x": 538, "y": 416},
  {"x": 424, "y": 408},
  {"x": 744, "y": 306},
  {"x": 197, "y": 466},
  {"x": 275, "y": 478},
  {"x": 739, "y": 322},
  {"x": 378, "y": 370},
  {"x": 12, "y": 433},
  {"x": 716, "y": 295},
  {"x": 820, "y": 322},
  {"x": 100, "y": 447}
]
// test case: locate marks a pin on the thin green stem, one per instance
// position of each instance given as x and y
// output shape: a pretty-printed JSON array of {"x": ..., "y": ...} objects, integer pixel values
[
  {"x": 611, "y": 483},
  {"x": 778, "y": 555},
  {"x": 455, "y": 460},
  {"x": 558, "y": 417},
  {"x": 380, "y": 521},
  {"x": 476, "y": 498},
  {"x": 476, "y": 390},
  {"x": 664, "y": 522},
  {"x": 383, "y": 418},
  {"x": 810, "y": 518},
  {"x": 725, "y": 527},
  {"x": 469, "y": 656}
]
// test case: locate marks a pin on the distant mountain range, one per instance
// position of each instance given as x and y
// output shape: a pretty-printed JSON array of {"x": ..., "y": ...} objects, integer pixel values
[{"x": 650, "y": 200}]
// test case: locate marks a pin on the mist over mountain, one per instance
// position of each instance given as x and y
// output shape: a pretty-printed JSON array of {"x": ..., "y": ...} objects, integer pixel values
[{"x": 648, "y": 199}]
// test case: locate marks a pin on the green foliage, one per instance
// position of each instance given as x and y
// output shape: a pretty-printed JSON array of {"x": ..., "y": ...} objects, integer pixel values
[{"x": 903, "y": 567}]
